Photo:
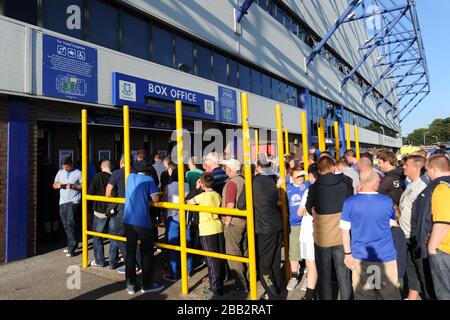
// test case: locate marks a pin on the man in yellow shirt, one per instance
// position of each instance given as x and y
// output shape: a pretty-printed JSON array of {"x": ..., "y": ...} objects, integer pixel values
[
  {"x": 438, "y": 167},
  {"x": 211, "y": 234}
]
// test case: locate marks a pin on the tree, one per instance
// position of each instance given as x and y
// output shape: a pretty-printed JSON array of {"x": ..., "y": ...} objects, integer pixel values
[{"x": 438, "y": 132}]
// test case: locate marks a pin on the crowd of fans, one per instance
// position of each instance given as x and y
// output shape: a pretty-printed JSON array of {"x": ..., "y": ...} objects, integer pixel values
[{"x": 373, "y": 227}]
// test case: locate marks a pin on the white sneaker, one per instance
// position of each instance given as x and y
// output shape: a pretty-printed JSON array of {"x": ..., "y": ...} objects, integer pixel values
[
  {"x": 154, "y": 288},
  {"x": 94, "y": 264},
  {"x": 66, "y": 250},
  {"x": 292, "y": 284}
]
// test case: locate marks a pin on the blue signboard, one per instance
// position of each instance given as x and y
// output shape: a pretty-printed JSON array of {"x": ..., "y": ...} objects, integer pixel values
[
  {"x": 69, "y": 70},
  {"x": 227, "y": 105},
  {"x": 137, "y": 120},
  {"x": 158, "y": 97}
]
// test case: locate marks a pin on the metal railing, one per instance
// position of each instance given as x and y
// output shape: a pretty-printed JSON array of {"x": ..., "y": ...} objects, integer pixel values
[{"x": 181, "y": 206}]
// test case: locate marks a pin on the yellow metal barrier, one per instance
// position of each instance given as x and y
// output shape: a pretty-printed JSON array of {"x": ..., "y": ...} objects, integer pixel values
[
  {"x": 216, "y": 210},
  {"x": 286, "y": 141},
  {"x": 256, "y": 142},
  {"x": 347, "y": 136},
  {"x": 84, "y": 186},
  {"x": 182, "y": 210},
  {"x": 321, "y": 132},
  {"x": 249, "y": 197},
  {"x": 126, "y": 141},
  {"x": 251, "y": 260},
  {"x": 105, "y": 199},
  {"x": 336, "y": 139},
  {"x": 357, "y": 142},
  {"x": 284, "y": 208},
  {"x": 305, "y": 143}
]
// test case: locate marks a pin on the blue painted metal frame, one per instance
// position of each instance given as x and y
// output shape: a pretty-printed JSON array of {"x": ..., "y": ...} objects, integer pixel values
[
  {"x": 387, "y": 42},
  {"x": 17, "y": 180},
  {"x": 386, "y": 72},
  {"x": 403, "y": 30},
  {"x": 242, "y": 10},
  {"x": 406, "y": 75},
  {"x": 381, "y": 12},
  {"x": 386, "y": 31},
  {"x": 352, "y": 6},
  {"x": 414, "y": 107}
]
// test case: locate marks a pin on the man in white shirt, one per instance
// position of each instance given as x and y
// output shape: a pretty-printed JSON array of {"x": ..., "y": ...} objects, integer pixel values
[
  {"x": 68, "y": 182},
  {"x": 414, "y": 170}
]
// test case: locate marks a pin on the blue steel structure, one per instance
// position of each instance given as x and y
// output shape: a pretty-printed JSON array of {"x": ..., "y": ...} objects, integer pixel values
[
  {"x": 398, "y": 44},
  {"x": 405, "y": 63}
]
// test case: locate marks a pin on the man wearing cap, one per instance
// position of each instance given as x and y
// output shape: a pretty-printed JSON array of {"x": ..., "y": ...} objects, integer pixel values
[{"x": 234, "y": 227}]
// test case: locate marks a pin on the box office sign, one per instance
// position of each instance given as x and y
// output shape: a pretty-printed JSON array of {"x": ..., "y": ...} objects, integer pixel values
[{"x": 159, "y": 97}]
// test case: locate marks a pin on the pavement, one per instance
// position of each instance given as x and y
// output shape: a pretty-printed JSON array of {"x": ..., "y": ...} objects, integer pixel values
[{"x": 53, "y": 276}]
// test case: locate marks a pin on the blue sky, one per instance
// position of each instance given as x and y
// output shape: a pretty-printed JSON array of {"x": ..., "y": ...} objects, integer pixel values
[{"x": 434, "y": 17}]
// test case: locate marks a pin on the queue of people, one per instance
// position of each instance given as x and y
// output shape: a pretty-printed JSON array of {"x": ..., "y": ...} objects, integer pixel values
[{"x": 371, "y": 231}]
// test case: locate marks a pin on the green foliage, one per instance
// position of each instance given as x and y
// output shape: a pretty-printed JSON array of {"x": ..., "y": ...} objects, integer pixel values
[{"x": 438, "y": 132}]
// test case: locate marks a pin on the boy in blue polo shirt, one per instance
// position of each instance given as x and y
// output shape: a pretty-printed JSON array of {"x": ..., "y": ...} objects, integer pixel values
[
  {"x": 295, "y": 192},
  {"x": 370, "y": 253},
  {"x": 140, "y": 188}
]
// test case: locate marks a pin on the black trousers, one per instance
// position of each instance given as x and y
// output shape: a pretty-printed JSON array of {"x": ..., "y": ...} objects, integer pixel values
[
  {"x": 418, "y": 274},
  {"x": 134, "y": 234},
  {"x": 268, "y": 248},
  {"x": 216, "y": 267}
]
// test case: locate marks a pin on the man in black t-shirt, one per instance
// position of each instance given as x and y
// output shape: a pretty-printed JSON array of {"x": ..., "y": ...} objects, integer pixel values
[
  {"x": 268, "y": 230},
  {"x": 101, "y": 218},
  {"x": 116, "y": 188},
  {"x": 392, "y": 185}
]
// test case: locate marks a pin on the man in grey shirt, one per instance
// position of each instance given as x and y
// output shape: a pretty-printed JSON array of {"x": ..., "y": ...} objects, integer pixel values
[
  {"x": 413, "y": 169},
  {"x": 344, "y": 167},
  {"x": 68, "y": 182}
]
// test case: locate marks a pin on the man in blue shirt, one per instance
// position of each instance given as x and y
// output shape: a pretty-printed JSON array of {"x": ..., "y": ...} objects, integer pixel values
[
  {"x": 370, "y": 253},
  {"x": 140, "y": 189},
  {"x": 68, "y": 182},
  {"x": 295, "y": 192}
]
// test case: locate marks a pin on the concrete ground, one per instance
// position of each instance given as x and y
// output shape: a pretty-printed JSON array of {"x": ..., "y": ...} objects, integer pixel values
[{"x": 52, "y": 276}]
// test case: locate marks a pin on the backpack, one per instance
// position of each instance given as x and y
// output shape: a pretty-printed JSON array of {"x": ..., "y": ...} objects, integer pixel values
[
  {"x": 241, "y": 202},
  {"x": 192, "y": 217}
]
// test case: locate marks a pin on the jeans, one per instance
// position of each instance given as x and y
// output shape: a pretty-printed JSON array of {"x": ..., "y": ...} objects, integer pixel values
[
  {"x": 133, "y": 234},
  {"x": 99, "y": 225},
  {"x": 117, "y": 229},
  {"x": 67, "y": 213},
  {"x": 324, "y": 260},
  {"x": 440, "y": 270},
  {"x": 173, "y": 238}
]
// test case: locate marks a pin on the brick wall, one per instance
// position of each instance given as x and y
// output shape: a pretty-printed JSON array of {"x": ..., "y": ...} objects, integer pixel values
[
  {"x": 3, "y": 168},
  {"x": 32, "y": 173}
]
